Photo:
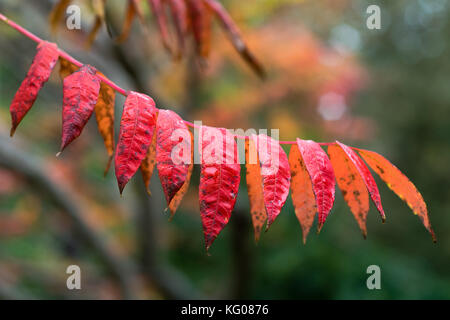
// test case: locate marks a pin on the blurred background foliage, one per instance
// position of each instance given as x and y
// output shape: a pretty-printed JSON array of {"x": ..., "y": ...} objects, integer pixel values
[{"x": 328, "y": 78}]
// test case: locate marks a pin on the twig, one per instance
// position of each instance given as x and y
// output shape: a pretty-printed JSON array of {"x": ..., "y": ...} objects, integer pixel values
[{"x": 110, "y": 83}]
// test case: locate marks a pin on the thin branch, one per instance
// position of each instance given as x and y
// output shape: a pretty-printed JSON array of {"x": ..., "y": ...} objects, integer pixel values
[{"x": 110, "y": 83}]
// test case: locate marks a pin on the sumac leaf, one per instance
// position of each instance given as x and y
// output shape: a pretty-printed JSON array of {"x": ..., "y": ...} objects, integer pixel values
[
  {"x": 173, "y": 152},
  {"x": 176, "y": 200},
  {"x": 161, "y": 20},
  {"x": 57, "y": 14},
  {"x": 104, "y": 114},
  {"x": 254, "y": 188},
  {"x": 219, "y": 180},
  {"x": 400, "y": 184},
  {"x": 66, "y": 68},
  {"x": 148, "y": 164},
  {"x": 128, "y": 22},
  {"x": 302, "y": 192},
  {"x": 367, "y": 177},
  {"x": 201, "y": 20},
  {"x": 179, "y": 17},
  {"x": 98, "y": 22},
  {"x": 321, "y": 174},
  {"x": 80, "y": 93},
  {"x": 200, "y": 17},
  {"x": 275, "y": 175},
  {"x": 99, "y": 10},
  {"x": 352, "y": 185},
  {"x": 39, "y": 73},
  {"x": 136, "y": 133}
]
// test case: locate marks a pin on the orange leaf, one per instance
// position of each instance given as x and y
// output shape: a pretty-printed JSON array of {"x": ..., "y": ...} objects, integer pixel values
[
  {"x": 129, "y": 17},
  {"x": 365, "y": 174},
  {"x": 104, "y": 114},
  {"x": 99, "y": 10},
  {"x": 400, "y": 184},
  {"x": 66, "y": 68},
  {"x": 351, "y": 184},
  {"x": 255, "y": 189},
  {"x": 176, "y": 200},
  {"x": 148, "y": 164},
  {"x": 57, "y": 13},
  {"x": 302, "y": 192},
  {"x": 94, "y": 31},
  {"x": 200, "y": 17}
]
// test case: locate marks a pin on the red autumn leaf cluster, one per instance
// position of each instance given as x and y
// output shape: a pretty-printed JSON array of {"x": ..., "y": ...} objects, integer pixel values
[
  {"x": 189, "y": 17},
  {"x": 149, "y": 135}
]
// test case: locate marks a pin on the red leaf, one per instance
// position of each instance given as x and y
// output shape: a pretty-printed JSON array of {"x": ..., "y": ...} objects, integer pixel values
[
  {"x": 179, "y": 17},
  {"x": 400, "y": 184},
  {"x": 302, "y": 191},
  {"x": 321, "y": 174},
  {"x": 352, "y": 185},
  {"x": 136, "y": 132},
  {"x": 201, "y": 25},
  {"x": 176, "y": 200},
  {"x": 275, "y": 175},
  {"x": 173, "y": 152},
  {"x": 80, "y": 94},
  {"x": 160, "y": 15},
  {"x": 367, "y": 177},
  {"x": 39, "y": 73},
  {"x": 219, "y": 180}
]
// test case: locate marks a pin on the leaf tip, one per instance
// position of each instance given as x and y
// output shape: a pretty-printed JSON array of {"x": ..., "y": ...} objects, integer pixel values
[
  {"x": 268, "y": 224},
  {"x": 121, "y": 187},
  {"x": 433, "y": 236},
  {"x": 319, "y": 227},
  {"x": 13, "y": 130},
  {"x": 364, "y": 234},
  {"x": 108, "y": 165}
]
